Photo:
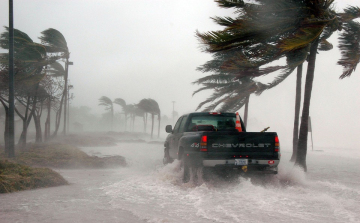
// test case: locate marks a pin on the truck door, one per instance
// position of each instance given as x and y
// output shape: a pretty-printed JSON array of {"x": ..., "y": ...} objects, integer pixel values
[{"x": 176, "y": 135}]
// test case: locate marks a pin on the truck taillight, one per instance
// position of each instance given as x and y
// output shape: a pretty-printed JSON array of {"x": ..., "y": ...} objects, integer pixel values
[
  {"x": 277, "y": 144},
  {"x": 203, "y": 144}
]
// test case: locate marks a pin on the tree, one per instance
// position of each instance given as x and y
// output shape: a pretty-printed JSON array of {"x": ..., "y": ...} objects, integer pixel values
[
  {"x": 349, "y": 46},
  {"x": 122, "y": 103},
  {"x": 270, "y": 30},
  {"x": 30, "y": 59},
  {"x": 55, "y": 71},
  {"x": 152, "y": 107},
  {"x": 105, "y": 101},
  {"x": 231, "y": 91},
  {"x": 55, "y": 42},
  {"x": 297, "y": 113},
  {"x": 42, "y": 95}
]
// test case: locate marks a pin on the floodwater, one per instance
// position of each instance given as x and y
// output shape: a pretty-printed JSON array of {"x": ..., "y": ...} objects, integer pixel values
[{"x": 147, "y": 191}]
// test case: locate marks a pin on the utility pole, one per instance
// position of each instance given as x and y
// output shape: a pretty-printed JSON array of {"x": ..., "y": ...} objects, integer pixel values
[{"x": 11, "y": 130}]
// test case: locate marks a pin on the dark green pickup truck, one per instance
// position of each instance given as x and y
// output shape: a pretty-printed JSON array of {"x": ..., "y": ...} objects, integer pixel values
[{"x": 211, "y": 140}]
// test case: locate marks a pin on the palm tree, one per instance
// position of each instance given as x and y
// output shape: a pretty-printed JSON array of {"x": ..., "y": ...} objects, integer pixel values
[
  {"x": 136, "y": 111},
  {"x": 122, "y": 103},
  {"x": 273, "y": 29},
  {"x": 55, "y": 42},
  {"x": 232, "y": 85},
  {"x": 55, "y": 70},
  {"x": 349, "y": 46},
  {"x": 151, "y": 106},
  {"x": 145, "y": 105},
  {"x": 107, "y": 102},
  {"x": 155, "y": 111},
  {"x": 30, "y": 58},
  {"x": 297, "y": 112}
]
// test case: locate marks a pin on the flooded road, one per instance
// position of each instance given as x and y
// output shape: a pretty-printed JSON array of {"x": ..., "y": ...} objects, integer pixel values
[{"x": 147, "y": 191}]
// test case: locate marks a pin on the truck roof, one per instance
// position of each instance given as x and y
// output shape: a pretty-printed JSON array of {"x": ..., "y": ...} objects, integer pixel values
[{"x": 214, "y": 113}]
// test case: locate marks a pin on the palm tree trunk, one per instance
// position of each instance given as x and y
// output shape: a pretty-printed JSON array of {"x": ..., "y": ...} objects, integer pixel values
[
  {"x": 144, "y": 122},
  {"x": 66, "y": 92},
  {"x": 246, "y": 111},
  {"x": 58, "y": 117},
  {"x": 152, "y": 125},
  {"x": 146, "y": 119},
  {"x": 302, "y": 144},
  {"x": 38, "y": 138},
  {"x": 6, "y": 132},
  {"x": 297, "y": 112},
  {"x": 26, "y": 122},
  {"x": 47, "y": 122}
]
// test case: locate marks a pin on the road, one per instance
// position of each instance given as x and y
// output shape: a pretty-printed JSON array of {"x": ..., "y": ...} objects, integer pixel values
[{"x": 147, "y": 191}]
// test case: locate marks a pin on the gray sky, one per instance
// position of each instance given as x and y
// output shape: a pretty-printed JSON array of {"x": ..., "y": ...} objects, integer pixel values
[{"x": 147, "y": 49}]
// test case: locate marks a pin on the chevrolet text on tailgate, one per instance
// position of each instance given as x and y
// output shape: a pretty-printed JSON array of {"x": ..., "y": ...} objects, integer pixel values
[{"x": 212, "y": 140}]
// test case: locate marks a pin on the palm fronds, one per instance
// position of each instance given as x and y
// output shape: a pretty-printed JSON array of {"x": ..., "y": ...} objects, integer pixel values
[
  {"x": 106, "y": 101},
  {"x": 55, "y": 70},
  {"x": 349, "y": 45},
  {"x": 54, "y": 41}
]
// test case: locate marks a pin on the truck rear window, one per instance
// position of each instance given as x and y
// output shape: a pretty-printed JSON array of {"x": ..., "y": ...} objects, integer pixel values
[{"x": 211, "y": 123}]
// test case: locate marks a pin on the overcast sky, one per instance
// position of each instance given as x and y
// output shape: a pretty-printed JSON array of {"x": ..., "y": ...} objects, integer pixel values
[{"x": 147, "y": 49}]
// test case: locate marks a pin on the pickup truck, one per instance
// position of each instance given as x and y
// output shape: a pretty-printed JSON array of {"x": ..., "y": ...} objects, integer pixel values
[{"x": 211, "y": 140}]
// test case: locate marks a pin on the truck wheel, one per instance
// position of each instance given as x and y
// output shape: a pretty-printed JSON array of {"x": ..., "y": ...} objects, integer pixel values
[
  {"x": 167, "y": 159},
  {"x": 186, "y": 170},
  {"x": 206, "y": 173}
]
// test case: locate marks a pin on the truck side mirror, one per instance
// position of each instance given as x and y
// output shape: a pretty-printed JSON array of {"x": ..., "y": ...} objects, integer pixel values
[{"x": 168, "y": 129}]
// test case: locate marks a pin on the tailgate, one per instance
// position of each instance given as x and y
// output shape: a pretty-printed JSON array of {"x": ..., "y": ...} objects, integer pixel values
[{"x": 236, "y": 144}]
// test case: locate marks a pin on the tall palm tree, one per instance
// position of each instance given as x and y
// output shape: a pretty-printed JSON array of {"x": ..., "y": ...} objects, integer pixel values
[
  {"x": 155, "y": 111},
  {"x": 145, "y": 105},
  {"x": 107, "y": 102},
  {"x": 152, "y": 107},
  {"x": 349, "y": 46},
  {"x": 297, "y": 112},
  {"x": 30, "y": 59},
  {"x": 136, "y": 111},
  {"x": 55, "y": 70},
  {"x": 122, "y": 103},
  {"x": 230, "y": 80},
  {"x": 55, "y": 42},
  {"x": 269, "y": 30}
]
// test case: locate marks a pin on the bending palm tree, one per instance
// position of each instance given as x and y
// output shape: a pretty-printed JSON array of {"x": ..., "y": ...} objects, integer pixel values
[
  {"x": 30, "y": 58},
  {"x": 122, "y": 103},
  {"x": 55, "y": 43},
  {"x": 105, "y": 101},
  {"x": 56, "y": 70},
  {"x": 151, "y": 106},
  {"x": 269, "y": 30}
]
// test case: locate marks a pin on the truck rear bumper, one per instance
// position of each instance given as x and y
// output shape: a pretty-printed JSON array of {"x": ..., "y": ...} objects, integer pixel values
[
  {"x": 231, "y": 162},
  {"x": 253, "y": 166}
]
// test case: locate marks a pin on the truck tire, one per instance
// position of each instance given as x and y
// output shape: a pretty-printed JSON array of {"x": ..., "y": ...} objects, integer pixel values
[
  {"x": 207, "y": 172},
  {"x": 167, "y": 159},
  {"x": 185, "y": 169}
]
